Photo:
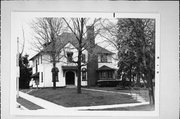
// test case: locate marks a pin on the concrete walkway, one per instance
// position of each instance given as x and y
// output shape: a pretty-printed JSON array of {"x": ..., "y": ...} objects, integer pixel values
[
  {"x": 134, "y": 95},
  {"x": 54, "y": 107},
  {"x": 109, "y": 106}
]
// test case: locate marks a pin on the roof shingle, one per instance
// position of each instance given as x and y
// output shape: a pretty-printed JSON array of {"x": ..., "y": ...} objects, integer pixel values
[{"x": 66, "y": 38}]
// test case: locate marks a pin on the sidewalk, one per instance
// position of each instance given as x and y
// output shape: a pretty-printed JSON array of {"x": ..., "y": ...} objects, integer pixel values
[
  {"x": 27, "y": 105},
  {"x": 41, "y": 102},
  {"x": 109, "y": 106}
]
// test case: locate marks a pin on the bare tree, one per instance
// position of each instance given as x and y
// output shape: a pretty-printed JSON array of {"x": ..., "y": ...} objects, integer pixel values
[
  {"x": 78, "y": 27},
  {"x": 47, "y": 31}
]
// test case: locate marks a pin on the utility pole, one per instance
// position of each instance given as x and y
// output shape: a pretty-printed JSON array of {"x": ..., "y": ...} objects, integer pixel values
[{"x": 18, "y": 71}]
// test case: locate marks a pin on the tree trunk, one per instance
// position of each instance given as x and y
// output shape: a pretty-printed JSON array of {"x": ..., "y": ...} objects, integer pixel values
[
  {"x": 80, "y": 55},
  {"x": 150, "y": 88},
  {"x": 138, "y": 79},
  {"x": 130, "y": 74},
  {"x": 79, "y": 72},
  {"x": 53, "y": 76}
]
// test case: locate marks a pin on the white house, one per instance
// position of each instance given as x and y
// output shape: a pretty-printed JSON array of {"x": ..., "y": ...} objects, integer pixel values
[{"x": 98, "y": 60}]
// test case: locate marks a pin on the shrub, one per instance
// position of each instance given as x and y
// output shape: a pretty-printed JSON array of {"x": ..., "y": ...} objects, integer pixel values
[{"x": 108, "y": 83}]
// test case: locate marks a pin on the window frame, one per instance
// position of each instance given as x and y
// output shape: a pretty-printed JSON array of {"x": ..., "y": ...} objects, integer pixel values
[
  {"x": 83, "y": 58},
  {"x": 103, "y": 58},
  {"x": 84, "y": 76},
  {"x": 69, "y": 56}
]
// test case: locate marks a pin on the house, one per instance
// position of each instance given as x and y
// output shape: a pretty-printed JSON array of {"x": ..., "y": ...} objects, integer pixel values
[{"x": 98, "y": 62}]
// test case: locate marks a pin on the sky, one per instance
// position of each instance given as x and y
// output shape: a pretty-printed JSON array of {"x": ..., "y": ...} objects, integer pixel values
[{"x": 22, "y": 22}]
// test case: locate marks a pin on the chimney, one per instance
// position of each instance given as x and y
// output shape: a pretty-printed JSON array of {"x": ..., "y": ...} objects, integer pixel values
[
  {"x": 90, "y": 35},
  {"x": 92, "y": 58}
]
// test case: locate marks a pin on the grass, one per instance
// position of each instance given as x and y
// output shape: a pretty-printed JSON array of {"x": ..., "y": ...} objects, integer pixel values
[
  {"x": 142, "y": 92},
  {"x": 68, "y": 97},
  {"x": 27, "y": 104}
]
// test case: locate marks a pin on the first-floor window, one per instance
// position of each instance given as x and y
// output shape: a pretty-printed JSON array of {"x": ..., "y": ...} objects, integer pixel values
[
  {"x": 57, "y": 77},
  {"x": 106, "y": 74},
  {"x": 36, "y": 66},
  {"x": 110, "y": 74},
  {"x": 102, "y": 74},
  {"x": 83, "y": 76},
  {"x": 41, "y": 76}
]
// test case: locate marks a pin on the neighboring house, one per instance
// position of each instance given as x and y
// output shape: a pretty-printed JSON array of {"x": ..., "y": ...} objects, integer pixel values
[{"x": 98, "y": 60}]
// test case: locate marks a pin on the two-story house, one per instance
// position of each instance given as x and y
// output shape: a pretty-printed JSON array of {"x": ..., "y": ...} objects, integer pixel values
[{"x": 98, "y": 62}]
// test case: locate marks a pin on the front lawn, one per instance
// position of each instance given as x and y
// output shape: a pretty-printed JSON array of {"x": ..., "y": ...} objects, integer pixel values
[
  {"x": 142, "y": 92},
  {"x": 68, "y": 97}
]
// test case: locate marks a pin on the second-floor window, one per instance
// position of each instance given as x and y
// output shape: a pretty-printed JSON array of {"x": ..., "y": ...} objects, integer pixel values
[
  {"x": 36, "y": 65},
  {"x": 69, "y": 56},
  {"x": 41, "y": 59},
  {"x": 103, "y": 58},
  {"x": 37, "y": 60},
  {"x": 83, "y": 58}
]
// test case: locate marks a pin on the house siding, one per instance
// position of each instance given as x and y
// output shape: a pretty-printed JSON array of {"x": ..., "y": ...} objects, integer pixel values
[
  {"x": 92, "y": 58},
  {"x": 46, "y": 67}
]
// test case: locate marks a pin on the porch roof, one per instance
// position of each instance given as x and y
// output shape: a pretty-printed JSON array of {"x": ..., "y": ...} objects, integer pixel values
[
  {"x": 69, "y": 67},
  {"x": 105, "y": 68}
]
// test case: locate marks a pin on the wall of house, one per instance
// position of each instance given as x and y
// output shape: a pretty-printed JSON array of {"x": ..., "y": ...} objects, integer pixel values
[
  {"x": 45, "y": 66},
  {"x": 63, "y": 62},
  {"x": 110, "y": 62}
]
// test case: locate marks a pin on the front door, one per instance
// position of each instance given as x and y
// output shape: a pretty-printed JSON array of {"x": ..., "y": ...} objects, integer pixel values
[{"x": 70, "y": 78}]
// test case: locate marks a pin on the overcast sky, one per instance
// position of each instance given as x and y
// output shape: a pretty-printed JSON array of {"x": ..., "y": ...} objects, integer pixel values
[{"x": 23, "y": 20}]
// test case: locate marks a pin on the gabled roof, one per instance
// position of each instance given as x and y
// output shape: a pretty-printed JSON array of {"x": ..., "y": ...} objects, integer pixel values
[
  {"x": 104, "y": 67},
  {"x": 66, "y": 38}
]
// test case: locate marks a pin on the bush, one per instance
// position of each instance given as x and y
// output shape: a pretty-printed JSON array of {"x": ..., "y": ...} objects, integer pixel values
[{"x": 108, "y": 83}]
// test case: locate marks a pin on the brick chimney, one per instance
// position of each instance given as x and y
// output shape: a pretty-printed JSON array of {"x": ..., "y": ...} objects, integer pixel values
[
  {"x": 92, "y": 58},
  {"x": 90, "y": 35}
]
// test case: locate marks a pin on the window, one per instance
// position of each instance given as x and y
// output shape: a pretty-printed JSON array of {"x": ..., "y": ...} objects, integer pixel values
[
  {"x": 103, "y": 58},
  {"x": 37, "y": 60},
  {"x": 106, "y": 74},
  {"x": 83, "y": 58},
  {"x": 110, "y": 74},
  {"x": 36, "y": 66},
  {"x": 69, "y": 56},
  {"x": 83, "y": 76},
  {"x": 103, "y": 74},
  {"x": 109, "y": 58},
  {"x": 57, "y": 78},
  {"x": 41, "y": 59},
  {"x": 41, "y": 76}
]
